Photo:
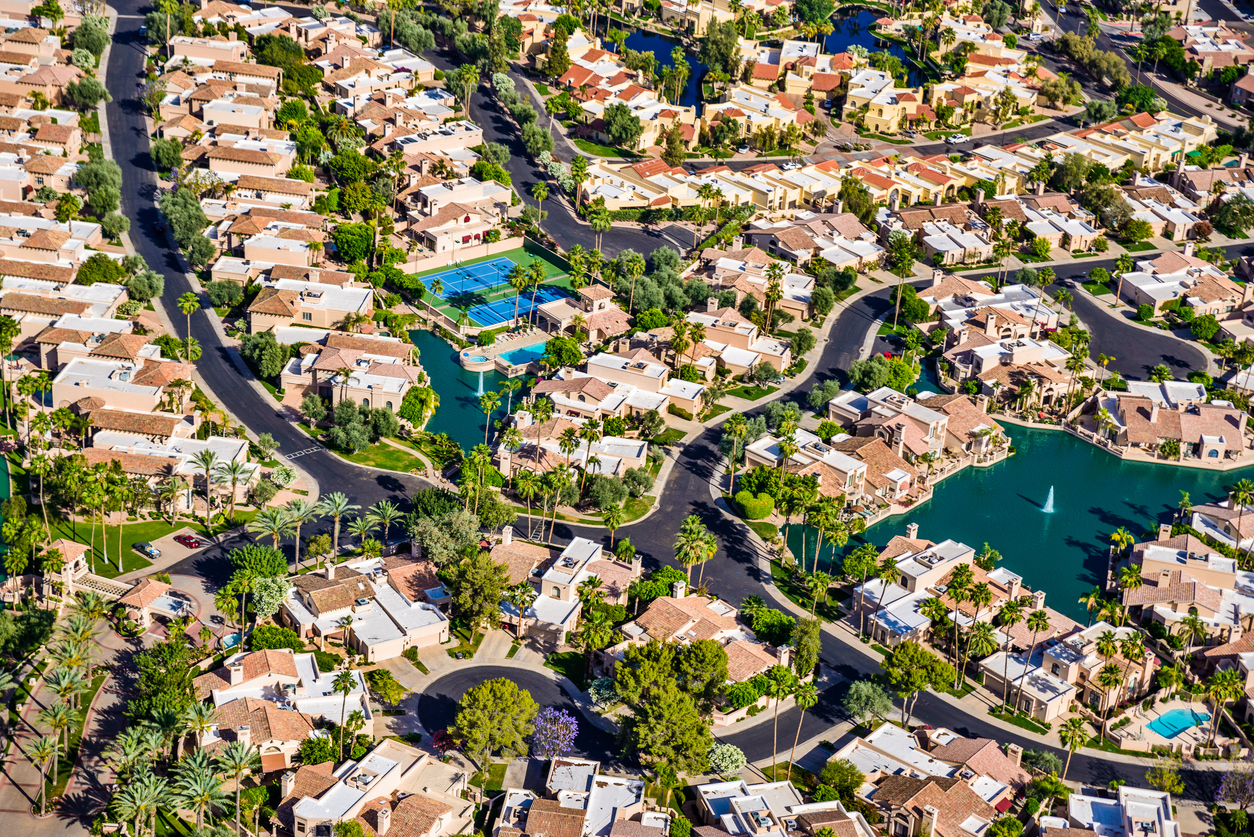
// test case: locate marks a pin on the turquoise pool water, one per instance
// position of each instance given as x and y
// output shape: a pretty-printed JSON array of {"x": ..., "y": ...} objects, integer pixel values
[
  {"x": 1063, "y": 553},
  {"x": 458, "y": 414},
  {"x": 1170, "y": 724},
  {"x": 518, "y": 357}
]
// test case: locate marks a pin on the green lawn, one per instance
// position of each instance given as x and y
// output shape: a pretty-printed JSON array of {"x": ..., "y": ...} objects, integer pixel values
[
  {"x": 1020, "y": 721},
  {"x": 598, "y": 150},
  {"x": 751, "y": 392},
  {"x": 1096, "y": 288},
  {"x": 787, "y": 583},
  {"x": 884, "y": 138},
  {"x": 1097, "y": 743},
  {"x": 1137, "y": 246},
  {"x": 569, "y": 663},
  {"x": 669, "y": 436},
  {"x": 382, "y": 455},
  {"x": 468, "y": 646},
  {"x": 496, "y": 777},
  {"x": 543, "y": 90},
  {"x": 637, "y": 507},
  {"x": 714, "y": 412}
]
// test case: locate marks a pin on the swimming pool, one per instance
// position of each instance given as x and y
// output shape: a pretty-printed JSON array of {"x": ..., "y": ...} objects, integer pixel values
[
  {"x": 525, "y": 355},
  {"x": 1172, "y": 723}
]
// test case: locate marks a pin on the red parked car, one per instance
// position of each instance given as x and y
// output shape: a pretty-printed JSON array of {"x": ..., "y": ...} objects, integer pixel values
[{"x": 189, "y": 541}]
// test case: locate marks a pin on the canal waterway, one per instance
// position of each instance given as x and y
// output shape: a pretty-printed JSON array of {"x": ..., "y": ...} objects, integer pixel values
[
  {"x": 1063, "y": 553},
  {"x": 661, "y": 47},
  {"x": 852, "y": 27},
  {"x": 458, "y": 414}
]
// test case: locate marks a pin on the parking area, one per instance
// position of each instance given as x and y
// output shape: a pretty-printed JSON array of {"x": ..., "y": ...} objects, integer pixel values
[{"x": 172, "y": 552}]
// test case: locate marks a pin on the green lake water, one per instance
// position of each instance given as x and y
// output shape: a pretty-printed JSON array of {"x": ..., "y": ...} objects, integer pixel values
[
  {"x": 458, "y": 414},
  {"x": 1063, "y": 553}
]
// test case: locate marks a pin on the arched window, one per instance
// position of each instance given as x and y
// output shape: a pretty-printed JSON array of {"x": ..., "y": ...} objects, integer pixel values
[
  {"x": 388, "y": 405},
  {"x": 1213, "y": 453},
  {"x": 365, "y": 402}
]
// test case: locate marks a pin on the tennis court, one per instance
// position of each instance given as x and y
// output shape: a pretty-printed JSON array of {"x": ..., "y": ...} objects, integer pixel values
[
  {"x": 495, "y": 313},
  {"x": 471, "y": 278}
]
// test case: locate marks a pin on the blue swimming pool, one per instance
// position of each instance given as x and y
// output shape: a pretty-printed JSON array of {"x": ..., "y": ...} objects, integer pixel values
[
  {"x": 1170, "y": 724},
  {"x": 527, "y": 354}
]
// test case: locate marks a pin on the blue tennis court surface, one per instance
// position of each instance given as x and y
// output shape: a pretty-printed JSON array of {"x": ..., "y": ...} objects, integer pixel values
[
  {"x": 472, "y": 278},
  {"x": 495, "y": 313}
]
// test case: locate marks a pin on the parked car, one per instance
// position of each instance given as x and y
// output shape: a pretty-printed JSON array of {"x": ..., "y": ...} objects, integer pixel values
[
  {"x": 146, "y": 549},
  {"x": 189, "y": 541},
  {"x": 791, "y": 166},
  {"x": 744, "y": 149},
  {"x": 954, "y": 139}
]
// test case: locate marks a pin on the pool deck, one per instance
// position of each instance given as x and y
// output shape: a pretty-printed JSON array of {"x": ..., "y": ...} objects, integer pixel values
[
  {"x": 1139, "y": 734},
  {"x": 525, "y": 338}
]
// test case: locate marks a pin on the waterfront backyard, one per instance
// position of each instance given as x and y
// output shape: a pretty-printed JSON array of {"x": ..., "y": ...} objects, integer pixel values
[{"x": 1064, "y": 552}]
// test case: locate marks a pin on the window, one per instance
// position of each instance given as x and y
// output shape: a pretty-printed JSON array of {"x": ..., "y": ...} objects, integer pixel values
[
  {"x": 39, "y": 181},
  {"x": 388, "y": 405},
  {"x": 365, "y": 402},
  {"x": 1212, "y": 453},
  {"x": 557, "y": 592},
  {"x": 307, "y": 316},
  {"x": 1053, "y": 669}
]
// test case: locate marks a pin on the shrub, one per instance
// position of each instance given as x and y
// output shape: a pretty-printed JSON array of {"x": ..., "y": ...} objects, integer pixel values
[
  {"x": 679, "y": 411},
  {"x": 743, "y": 694},
  {"x": 755, "y": 508},
  {"x": 326, "y": 661},
  {"x": 267, "y": 637},
  {"x": 224, "y": 293}
]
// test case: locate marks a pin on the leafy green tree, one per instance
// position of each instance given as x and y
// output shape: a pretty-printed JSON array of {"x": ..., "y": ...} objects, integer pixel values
[
  {"x": 622, "y": 126},
  {"x": 495, "y": 717},
  {"x": 666, "y": 728},
  {"x": 476, "y": 587},
  {"x": 318, "y": 750},
  {"x": 866, "y": 699},
  {"x": 166, "y": 153},
  {"x": 911, "y": 669}
]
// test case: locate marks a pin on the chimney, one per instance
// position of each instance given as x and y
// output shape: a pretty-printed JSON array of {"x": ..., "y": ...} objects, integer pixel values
[
  {"x": 424, "y": 165},
  {"x": 330, "y": 571},
  {"x": 231, "y": 36},
  {"x": 1153, "y": 412},
  {"x": 385, "y": 819},
  {"x": 1038, "y": 599},
  {"x": 1244, "y": 158},
  {"x": 1164, "y": 531},
  {"x": 387, "y": 129},
  {"x": 840, "y": 207},
  {"x": 637, "y": 565},
  {"x": 202, "y": 737},
  {"x": 784, "y": 654},
  {"x": 244, "y": 735},
  {"x": 979, "y": 197},
  {"x": 912, "y": 530},
  {"x": 895, "y": 201},
  {"x": 287, "y": 784},
  {"x": 1040, "y": 187},
  {"x": 1015, "y": 753},
  {"x": 711, "y": 304},
  {"x": 938, "y": 276},
  {"x": 679, "y": 589},
  {"x": 981, "y": 402},
  {"x": 507, "y": 536},
  {"x": 236, "y": 670},
  {"x": 1188, "y": 248},
  {"x": 930, "y": 816}
]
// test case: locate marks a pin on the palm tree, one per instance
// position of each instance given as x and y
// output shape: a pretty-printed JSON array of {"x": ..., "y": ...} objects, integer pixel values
[
  {"x": 207, "y": 462},
  {"x": 233, "y": 472},
  {"x": 42, "y": 752},
  {"x": 488, "y": 402},
  {"x": 1108, "y": 678},
  {"x": 1038, "y": 623},
  {"x": 1192, "y": 628},
  {"x": 888, "y": 574},
  {"x": 520, "y": 595},
  {"x": 981, "y": 596},
  {"x": 335, "y": 505},
  {"x": 806, "y": 696},
  {"x": 384, "y": 513},
  {"x": 1074, "y": 733},
  {"x": 200, "y": 790},
  {"x": 199, "y": 718},
  {"x": 59, "y": 718},
  {"x": 344, "y": 684},
  {"x": 299, "y": 512},
  {"x": 1011, "y": 614},
  {"x": 360, "y": 528},
  {"x": 189, "y": 304},
  {"x": 238, "y": 760},
  {"x": 275, "y": 521},
  {"x": 528, "y": 486},
  {"x": 1222, "y": 687},
  {"x": 1091, "y": 600},
  {"x": 612, "y": 517},
  {"x": 692, "y": 545}
]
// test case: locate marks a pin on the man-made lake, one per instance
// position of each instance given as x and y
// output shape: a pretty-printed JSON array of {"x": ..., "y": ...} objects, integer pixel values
[
  {"x": 458, "y": 414},
  {"x": 661, "y": 47},
  {"x": 1063, "y": 553},
  {"x": 854, "y": 27}
]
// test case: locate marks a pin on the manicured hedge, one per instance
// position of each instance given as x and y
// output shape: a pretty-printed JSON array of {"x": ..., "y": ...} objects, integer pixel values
[{"x": 755, "y": 508}]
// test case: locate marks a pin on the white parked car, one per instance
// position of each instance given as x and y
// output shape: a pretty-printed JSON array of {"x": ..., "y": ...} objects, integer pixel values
[
  {"x": 791, "y": 166},
  {"x": 744, "y": 149},
  {"x": 955, "y": 139}
]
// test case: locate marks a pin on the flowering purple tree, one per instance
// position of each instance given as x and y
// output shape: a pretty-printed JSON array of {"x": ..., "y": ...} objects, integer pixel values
[
  {"x": 443, "y": 741},
  {"x": 1237, "y": 787},
  {"x": 555, "y": 733}
]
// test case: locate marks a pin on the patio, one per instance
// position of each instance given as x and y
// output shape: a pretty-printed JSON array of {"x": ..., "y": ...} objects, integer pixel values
[{"x": 1175, "y": 723}]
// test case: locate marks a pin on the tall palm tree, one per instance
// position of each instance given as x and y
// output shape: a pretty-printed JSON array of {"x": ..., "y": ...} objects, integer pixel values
[
  {"x": 806, "y": 696},
  {"x": 207, "y": 462},
  {"x": 238, "y": 760},
  {"x": 42, "y": 752},
  {"x": 335, "y": 505},
  {"x": 344, "y": 684},
  {"x": 1092, "y": 600},
  {"x": 275, "y": 521},
  {"x": 59, "y": 718},
  {"x": 360, "y": 528},
  {"x": 189, "y": 304},
  {"x": 1011, "y": 614},
  {"x": 1038, "y": 623},
  {"x": 299, "y": 512},
  {"x": 1074, "y": 733},
  {"x": 384, "y": 513},
  {"x": 200, "y": 790},
  {"x": 888, "y": 574},
  {"x": 233, "y": 472},
  {"x": 981, "y": 597}
]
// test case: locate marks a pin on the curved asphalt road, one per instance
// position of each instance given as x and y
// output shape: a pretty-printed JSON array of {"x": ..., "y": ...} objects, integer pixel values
[{"x": 686, "y": 493}]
